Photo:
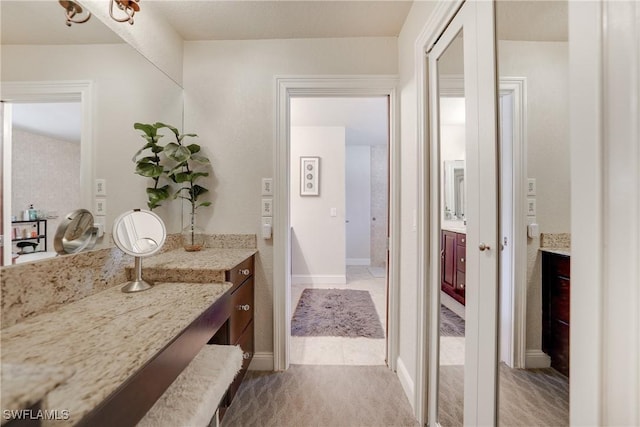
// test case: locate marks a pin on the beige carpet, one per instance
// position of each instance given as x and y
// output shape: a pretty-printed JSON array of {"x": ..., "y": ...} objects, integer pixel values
[{"x": 311, "y": 395}]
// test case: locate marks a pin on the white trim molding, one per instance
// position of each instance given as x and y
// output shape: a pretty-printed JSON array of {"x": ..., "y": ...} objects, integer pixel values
[
  {"x": 405, "y": 379},
  {"x": 315, "y": 279},
  {"x": 536, "y": 359},
  {"x": 262, "y": 361},
  {"x": 287, "y": 87},
  {"x": 604, "y": 120},
  {"x": 358, "y": 261}
]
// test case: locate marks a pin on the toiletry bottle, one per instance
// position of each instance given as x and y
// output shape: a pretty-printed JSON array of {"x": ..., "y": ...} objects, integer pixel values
[
  {"x": 34, "y": 231},
  {"x": 33, "y": 214}
]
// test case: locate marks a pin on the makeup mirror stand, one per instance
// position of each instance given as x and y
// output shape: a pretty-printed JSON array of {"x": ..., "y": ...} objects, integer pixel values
[{"x": 137, "y": 284}]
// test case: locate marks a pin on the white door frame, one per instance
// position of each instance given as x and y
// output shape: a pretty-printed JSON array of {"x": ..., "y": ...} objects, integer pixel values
[
  {"x": 604, "y": 99},
  {"x": 48, "y": 91},
  {"x": 346, "y": 86}
]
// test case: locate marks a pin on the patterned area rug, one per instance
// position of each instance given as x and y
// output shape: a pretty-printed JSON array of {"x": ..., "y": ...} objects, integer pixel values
[
  {"x": 336, "y": 313},
  {"x": 451, "y": 325}
]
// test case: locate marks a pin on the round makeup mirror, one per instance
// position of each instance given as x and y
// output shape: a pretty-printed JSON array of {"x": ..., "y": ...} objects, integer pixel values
[
  {"x": 138, "y": 233},
  {"x": 75, "y": 233}
]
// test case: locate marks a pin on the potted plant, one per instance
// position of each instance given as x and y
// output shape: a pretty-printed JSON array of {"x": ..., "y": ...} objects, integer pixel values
[{"x": 181, "y": 164}]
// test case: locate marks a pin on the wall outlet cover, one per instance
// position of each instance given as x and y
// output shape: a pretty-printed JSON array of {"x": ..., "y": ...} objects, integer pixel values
[
  {"x": 531, "y": 187},
  {"x": 267, "y": 207},
  {"x": 101, "y": 207},
  {"x": 267, "y": 186},
  {"x": 101, "y": 187},
  {"x": 531, "y": 207}
]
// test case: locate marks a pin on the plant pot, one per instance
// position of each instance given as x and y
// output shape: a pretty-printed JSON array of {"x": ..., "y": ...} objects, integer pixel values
[{"x": 193, "y": 237}]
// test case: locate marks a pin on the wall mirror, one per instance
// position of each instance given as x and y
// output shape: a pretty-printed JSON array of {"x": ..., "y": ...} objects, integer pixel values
[
  {"x": 454, "y": 190},
  {"x": 139, "y": 233},
  {"x": 85, "y": 71}
]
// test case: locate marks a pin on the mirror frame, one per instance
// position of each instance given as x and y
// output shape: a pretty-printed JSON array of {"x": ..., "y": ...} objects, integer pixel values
[{"x": 119, "y": 244}]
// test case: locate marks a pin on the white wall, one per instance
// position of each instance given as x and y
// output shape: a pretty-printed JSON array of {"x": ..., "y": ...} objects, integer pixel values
[
  {"x": 416, "y": 20},
  {"x": 358, "y": 204},
  {"x": 127, "y": 89},
  {"x": 318, "y": 239},
  {"x": 230, "y": 103},
  {"x": 545, "y": 66},
  {"x": 379, "y": 204}
]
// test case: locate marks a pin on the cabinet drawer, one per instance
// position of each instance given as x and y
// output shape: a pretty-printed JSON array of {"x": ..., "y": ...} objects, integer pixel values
[
  {"x": 560, "y": 347},
  {"x": 240, "y": 272},
  {"x": 461, "y": 258},
  {"x": 241, "y": 309},
  {"x": 461, "y": 239},
  {"x": 460, "y": 281},
  {"x": 563, "y": 266}
]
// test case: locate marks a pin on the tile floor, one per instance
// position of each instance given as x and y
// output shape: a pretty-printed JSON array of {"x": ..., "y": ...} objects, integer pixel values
[{"x": 340, "y": 350}]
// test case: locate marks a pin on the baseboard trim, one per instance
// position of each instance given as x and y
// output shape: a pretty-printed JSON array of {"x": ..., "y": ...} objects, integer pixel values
[
  {"x": 359, "y": 261},
  {"x": 536, "y": 359},
  {"x": 405, "y": 381},
  {"x": 297, "y": 279},
  {"x": 262, "y": 361},
  {"x": 452, "y": 304}
]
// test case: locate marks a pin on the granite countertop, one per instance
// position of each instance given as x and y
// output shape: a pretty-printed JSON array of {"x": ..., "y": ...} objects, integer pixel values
[
  {"x": 25, "y": 385},
  {"x": 103, "y": 339},
  {"x": 208, "y": 265},
  {"x": 558, "y": 251}
]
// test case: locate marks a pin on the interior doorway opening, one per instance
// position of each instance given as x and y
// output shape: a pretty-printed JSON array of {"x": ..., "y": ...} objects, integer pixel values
[{"x": 339, "y": 210}]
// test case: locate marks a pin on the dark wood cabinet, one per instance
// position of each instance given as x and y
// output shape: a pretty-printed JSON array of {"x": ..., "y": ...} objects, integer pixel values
[
  {"x": 556, "y": 297},
  {"x": 239, "y": 328},
  {"x": 453, "y": 265}
]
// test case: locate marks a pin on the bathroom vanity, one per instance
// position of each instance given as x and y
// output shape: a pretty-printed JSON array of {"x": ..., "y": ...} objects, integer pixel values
[
  {"x": 556, "y": 298},
  {"x": 453, "y": 249},
  {"x": 115, "y": 353}
]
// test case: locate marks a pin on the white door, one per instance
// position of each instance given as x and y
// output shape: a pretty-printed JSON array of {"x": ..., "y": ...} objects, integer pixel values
[
  {"x": 358, "y": 204},
  {"x": 468, "y": 42}
]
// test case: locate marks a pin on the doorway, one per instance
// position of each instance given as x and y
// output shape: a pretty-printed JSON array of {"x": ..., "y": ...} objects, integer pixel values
[
  {"x": 287, "y": 89},
  {"x": 339, "y": 208}
]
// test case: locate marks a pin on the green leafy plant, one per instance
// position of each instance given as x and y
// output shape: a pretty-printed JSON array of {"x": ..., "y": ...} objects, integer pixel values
[{"x": 176, "y": 162}]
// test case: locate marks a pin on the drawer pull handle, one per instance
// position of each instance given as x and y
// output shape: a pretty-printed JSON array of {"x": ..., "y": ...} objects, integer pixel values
[
  {"x": 461, "y": 285},
  {"x": 243, "y": 307},
  {"x": 246, "y": 355},
  {"x": 461, "y": 259},
  {"x": 483, "y": 247},
  {"x": 462, "y": 240},
  {"x": 244, "y": 271}
]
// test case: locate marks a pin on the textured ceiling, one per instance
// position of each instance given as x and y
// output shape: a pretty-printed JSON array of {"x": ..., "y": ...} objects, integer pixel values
[{"x": 243, "y": 20}]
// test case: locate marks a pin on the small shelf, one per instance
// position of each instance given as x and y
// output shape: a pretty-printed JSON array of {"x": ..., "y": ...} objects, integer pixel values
[{"x": 40, "y": 226}]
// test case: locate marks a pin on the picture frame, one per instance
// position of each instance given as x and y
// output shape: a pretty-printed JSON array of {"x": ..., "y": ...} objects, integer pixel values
[{"x": 309, "y": 176}]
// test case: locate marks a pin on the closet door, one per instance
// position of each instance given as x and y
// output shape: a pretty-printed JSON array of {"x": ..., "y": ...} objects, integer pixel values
[{"x": 462, "y": 65}]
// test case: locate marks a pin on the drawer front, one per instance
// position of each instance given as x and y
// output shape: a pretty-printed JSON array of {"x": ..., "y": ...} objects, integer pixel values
[
  {"x": 241, "y": 309},
  {"x": 563, "y": 266},
  {"x": 240, "y": 272},
  {"x": 460, "y": 282},
  {"x": 461, "y": 239},
  {"x": 461, "y": 258}
]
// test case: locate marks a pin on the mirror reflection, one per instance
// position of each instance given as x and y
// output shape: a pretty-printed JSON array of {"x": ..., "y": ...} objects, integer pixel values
[
  {"x": 535, "y": 282},
  {"x": 452, "y": 234},
  {"x": 52, "y": 152},
  {"x": 75, "y": 233},
  {"x": 139, "y": 233}
]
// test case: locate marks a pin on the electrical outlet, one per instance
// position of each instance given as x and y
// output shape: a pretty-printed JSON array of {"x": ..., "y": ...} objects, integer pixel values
[
  {"x": 531, "y": 187},
  {"x": 531, "y": 207}
]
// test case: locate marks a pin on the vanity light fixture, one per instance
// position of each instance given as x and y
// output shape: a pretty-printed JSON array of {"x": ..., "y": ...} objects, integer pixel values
[{"x": 75, "y": 12}]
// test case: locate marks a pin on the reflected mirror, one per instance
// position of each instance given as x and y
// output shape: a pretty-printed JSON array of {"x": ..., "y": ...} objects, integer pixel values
[
  {"x": 75, "y": 233},
  {"x": 452, "y": 141},
  {"x": 139, "y": 233}
]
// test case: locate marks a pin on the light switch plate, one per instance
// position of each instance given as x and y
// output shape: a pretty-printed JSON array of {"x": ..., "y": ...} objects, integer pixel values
[
  {"x": 101, "y": 187},
  {"x": 101, "y": 207},
  {"x": 267, "y": 207},
  {"x": 531, "y": 187},
  {"x": 531, "y": 207},
  {"x": 267, "y": 186}
]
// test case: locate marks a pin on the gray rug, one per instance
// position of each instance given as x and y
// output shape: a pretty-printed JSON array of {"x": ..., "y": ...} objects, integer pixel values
[
  {"x": 451, "y": 325},
  {"x": 336, "y": 313}
]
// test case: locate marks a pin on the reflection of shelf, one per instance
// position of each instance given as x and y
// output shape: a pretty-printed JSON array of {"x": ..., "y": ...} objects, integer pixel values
[{"x": 40, "y": 226}]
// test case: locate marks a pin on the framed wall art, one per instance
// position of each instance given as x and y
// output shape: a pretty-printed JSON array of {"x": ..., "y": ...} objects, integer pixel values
[{"x": 309, "y": 176}]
